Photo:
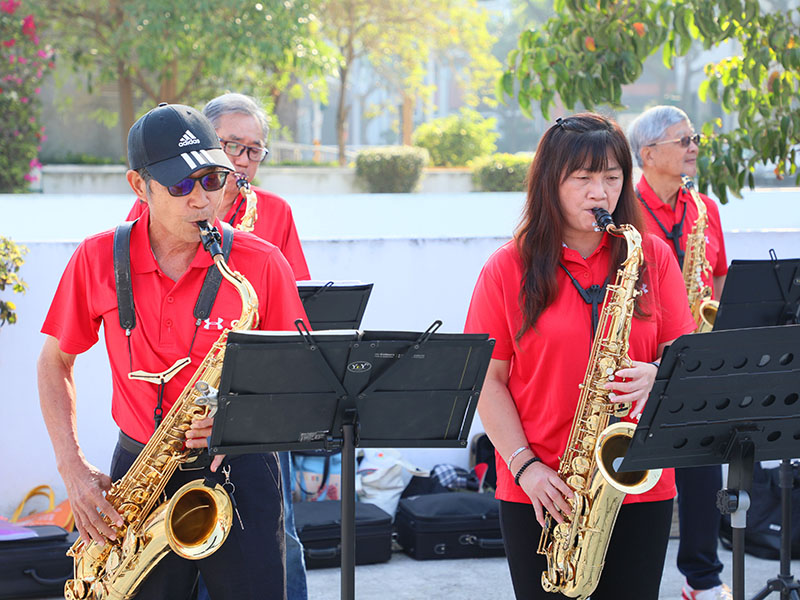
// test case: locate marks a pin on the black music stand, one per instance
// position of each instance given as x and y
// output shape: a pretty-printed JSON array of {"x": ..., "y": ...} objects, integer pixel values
[
  {"x": 334, "y": 305},
  {"x": 763, "y": 293},
  {"x": 725, "y": 397},
  {"x": 342, "y": 389}
]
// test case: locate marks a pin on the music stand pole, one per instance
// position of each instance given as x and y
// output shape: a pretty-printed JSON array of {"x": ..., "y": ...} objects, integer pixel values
[{"x": 349, "y": 507}]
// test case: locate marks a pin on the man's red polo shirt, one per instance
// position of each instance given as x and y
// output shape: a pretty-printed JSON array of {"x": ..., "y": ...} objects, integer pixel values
[
  {"x": 275, "y": 224},
  {"x": 547, "y": 364},
  {"x": 715, "y": 243},
  {"x": 165, "y": 325}
]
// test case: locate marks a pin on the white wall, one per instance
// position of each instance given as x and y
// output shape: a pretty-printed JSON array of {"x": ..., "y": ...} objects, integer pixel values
[{"x": 419, "y": 276}]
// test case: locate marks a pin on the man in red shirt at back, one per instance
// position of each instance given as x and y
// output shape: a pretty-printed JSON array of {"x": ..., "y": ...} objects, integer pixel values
[{"x": 665, "y": 146}]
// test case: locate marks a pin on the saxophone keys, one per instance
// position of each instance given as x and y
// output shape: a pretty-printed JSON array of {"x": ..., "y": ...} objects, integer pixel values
[
  {"x": 581, "y": 465},
  {"x": 576, "y": 482}
]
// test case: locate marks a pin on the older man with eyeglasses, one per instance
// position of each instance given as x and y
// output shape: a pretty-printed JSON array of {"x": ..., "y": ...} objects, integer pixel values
[{"x": 665, "y": 146}]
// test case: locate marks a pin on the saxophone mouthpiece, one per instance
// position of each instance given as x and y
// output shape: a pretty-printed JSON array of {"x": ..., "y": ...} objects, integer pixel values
[
  {"x": 604, "y": 219},
  {"x": 210, "y": 238},
  {"x": 241, "y": 181}
]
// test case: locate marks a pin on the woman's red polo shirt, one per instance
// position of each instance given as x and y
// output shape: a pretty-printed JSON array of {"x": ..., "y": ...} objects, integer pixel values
[
  {"x": 547, "y": 364},
  {"x": 86, "y": 298}
]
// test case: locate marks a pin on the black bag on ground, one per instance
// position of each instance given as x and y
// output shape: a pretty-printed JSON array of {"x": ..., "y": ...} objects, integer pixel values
[
  {"x": 319, "y": 525},
  {"x": 762, "y": 537},
  {"x": 450, "y": 525},
  {"x": 36, "y": 567}
]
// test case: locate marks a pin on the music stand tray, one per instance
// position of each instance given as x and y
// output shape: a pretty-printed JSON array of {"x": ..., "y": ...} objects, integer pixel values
[
  {"x": 345, "y": 388},
  {"x": 334, "y": 304}
]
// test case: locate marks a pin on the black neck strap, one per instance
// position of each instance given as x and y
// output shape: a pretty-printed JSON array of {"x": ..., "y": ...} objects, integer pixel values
[
  {"x": 677, "y": 230},
  {"x": 238, "y": 208},
  {"x": 594, "y": 295},
  {"x": 124, "y": 288}
]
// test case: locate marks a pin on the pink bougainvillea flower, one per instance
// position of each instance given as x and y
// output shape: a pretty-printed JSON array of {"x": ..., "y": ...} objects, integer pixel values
[
  {"x": 9, "y": 43},
  {"x": 38, "y": 90},
  {"x": 28, "y": 26},
  {"x": 9, "y": 6},
  {"x": 24, "y": 99}
]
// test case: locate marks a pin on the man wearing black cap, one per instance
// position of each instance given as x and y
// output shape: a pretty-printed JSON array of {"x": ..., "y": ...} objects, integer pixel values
[{"x": 178, "y": 166}]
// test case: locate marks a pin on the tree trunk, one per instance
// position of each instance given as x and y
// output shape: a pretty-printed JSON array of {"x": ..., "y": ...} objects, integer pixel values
[
  {"x": 341, "y": 115},
  {"x": 126, "y": 110},
  {"x": 407, "y": 119}
]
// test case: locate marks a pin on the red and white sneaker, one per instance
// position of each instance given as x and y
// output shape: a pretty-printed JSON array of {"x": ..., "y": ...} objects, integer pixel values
[{"x": 721, "y": 592}]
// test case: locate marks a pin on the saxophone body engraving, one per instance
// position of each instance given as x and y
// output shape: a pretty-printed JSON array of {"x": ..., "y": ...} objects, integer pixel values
[
  {"x": 696, "y": 266},
  {"x": 576, "y": 548},
  {"x": 196, "y": 520}
]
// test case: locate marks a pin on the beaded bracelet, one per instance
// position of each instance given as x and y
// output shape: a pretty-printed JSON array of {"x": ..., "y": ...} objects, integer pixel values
[
  {"x": 514, "y": 455},
  {"x": 527, "y": 464}
]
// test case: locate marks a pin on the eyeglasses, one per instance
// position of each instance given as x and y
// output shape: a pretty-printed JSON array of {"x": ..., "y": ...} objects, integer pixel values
[
  {"x": 684, "y": 141},
  {"x": 254, "y": 153},
  {"x": 211, "y": 182}
]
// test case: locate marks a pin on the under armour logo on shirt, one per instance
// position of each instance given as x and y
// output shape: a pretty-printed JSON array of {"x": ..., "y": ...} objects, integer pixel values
[
  {"x": 644, "y": 288},
  {"x": 209, "y": 323}
]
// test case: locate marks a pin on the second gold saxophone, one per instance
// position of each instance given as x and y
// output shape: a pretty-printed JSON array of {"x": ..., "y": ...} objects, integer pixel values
[
  {"x": 195, "y": 521},
  {"x": 696, "y": 266},
  {"x": 576, "y": 548}
]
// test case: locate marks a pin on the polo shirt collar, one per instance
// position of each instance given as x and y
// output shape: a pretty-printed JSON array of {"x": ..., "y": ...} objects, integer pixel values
[
  {"x": 653, "y": 201},
  {"x": 142, "y": 259},
  {"x": 568, "y": 254}
]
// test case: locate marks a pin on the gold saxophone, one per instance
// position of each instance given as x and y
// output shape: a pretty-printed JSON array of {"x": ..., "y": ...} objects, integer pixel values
[
  {"x": 251, "y": 204},
  {"x": 576, "y": 548},
  {"x": 696, "y": 265},
  {"x": 196, "y": 520}
]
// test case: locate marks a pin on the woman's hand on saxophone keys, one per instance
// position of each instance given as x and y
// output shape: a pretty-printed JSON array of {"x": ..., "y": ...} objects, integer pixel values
[
  {"x": 197, "y": 437},
  {"x": 633, "y": 384},
  {"x": 547, "y": 491}
]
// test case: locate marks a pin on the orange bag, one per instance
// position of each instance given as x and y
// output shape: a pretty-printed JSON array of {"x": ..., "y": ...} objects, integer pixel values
[{"x": 60, "y": 515}]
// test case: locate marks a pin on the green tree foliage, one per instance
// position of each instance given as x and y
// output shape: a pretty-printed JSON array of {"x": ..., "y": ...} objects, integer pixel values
[
  {"x": 10, "y": 261},
  {"x": 24, "y": 61},
  {"x": 591, "y": 49},
  {"x": 188, "y": 50},
  {"x": 454, "y": 140},
  {"x": 399, "y": 38}
]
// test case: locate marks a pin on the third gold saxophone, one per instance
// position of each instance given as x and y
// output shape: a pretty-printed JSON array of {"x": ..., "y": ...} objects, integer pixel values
[
  {"x": 576, "y": 548},
  {"x": 195, "y": 521},
  {"x": 696, "y": 266}
]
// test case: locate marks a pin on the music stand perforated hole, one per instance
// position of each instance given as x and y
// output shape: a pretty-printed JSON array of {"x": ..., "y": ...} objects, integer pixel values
[
  {"x": 786, "y": 359},
  {"x": 769, "y": 400},
  {"x": 764, "y": 360},
  {"x": 746, "y": 401},
  {"x": 790, "y": 399},
  {"x": 774, "y": 436}
]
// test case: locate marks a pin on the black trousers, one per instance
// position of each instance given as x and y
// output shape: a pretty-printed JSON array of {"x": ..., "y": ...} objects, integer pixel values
[
  {"x": 250, "y": 565},
  {"x": 700, "y": 520},
  {"x": 634, "y": 561}
]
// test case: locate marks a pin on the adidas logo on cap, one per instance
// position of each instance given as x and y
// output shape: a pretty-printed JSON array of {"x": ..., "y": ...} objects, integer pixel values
[{"x": 188, "y": 139}]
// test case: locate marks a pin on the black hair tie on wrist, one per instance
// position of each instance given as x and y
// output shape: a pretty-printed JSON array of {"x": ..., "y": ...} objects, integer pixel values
[{"x": 527, "y": 464}]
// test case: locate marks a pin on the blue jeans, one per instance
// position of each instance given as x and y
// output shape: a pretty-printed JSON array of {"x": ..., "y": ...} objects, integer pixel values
[
  {"x": 699, "y": 524},
  {"x": 296, "y": 587}
]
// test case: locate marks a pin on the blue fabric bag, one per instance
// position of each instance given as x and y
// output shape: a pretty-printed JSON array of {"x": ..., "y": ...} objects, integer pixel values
[{"x": 318, "y": 475}]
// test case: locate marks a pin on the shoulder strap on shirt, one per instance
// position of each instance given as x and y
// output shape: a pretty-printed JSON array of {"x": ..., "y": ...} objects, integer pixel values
[
  {"x": 122, "y": 275},
  {"x": 208, "y": 293}
]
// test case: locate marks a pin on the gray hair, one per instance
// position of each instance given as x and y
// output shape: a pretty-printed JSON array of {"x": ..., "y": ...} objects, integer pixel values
[
  {"x": 236, "y": 103},
  {"x": 650, "y": 126}
]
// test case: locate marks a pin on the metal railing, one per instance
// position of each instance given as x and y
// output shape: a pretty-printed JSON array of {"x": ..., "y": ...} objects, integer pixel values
[{"x": 282, "y": 151}]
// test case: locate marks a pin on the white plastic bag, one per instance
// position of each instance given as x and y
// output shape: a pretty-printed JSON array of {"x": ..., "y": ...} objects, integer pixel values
[{"x": 382, "y": 476}]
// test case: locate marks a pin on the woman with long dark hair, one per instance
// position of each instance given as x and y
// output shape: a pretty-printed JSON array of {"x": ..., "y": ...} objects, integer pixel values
[{"x": 539, "y": 296}]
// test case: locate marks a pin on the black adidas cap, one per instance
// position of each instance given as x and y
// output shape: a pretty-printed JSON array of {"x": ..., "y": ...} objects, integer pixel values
[{"x": 173, "y": 141}]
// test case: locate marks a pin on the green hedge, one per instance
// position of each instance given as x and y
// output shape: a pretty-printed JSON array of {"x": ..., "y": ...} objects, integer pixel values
[
  {"x": 392, "y": 168},
  {"x": 455, "y": 140},
  {"x": 501, "y": 172}
]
